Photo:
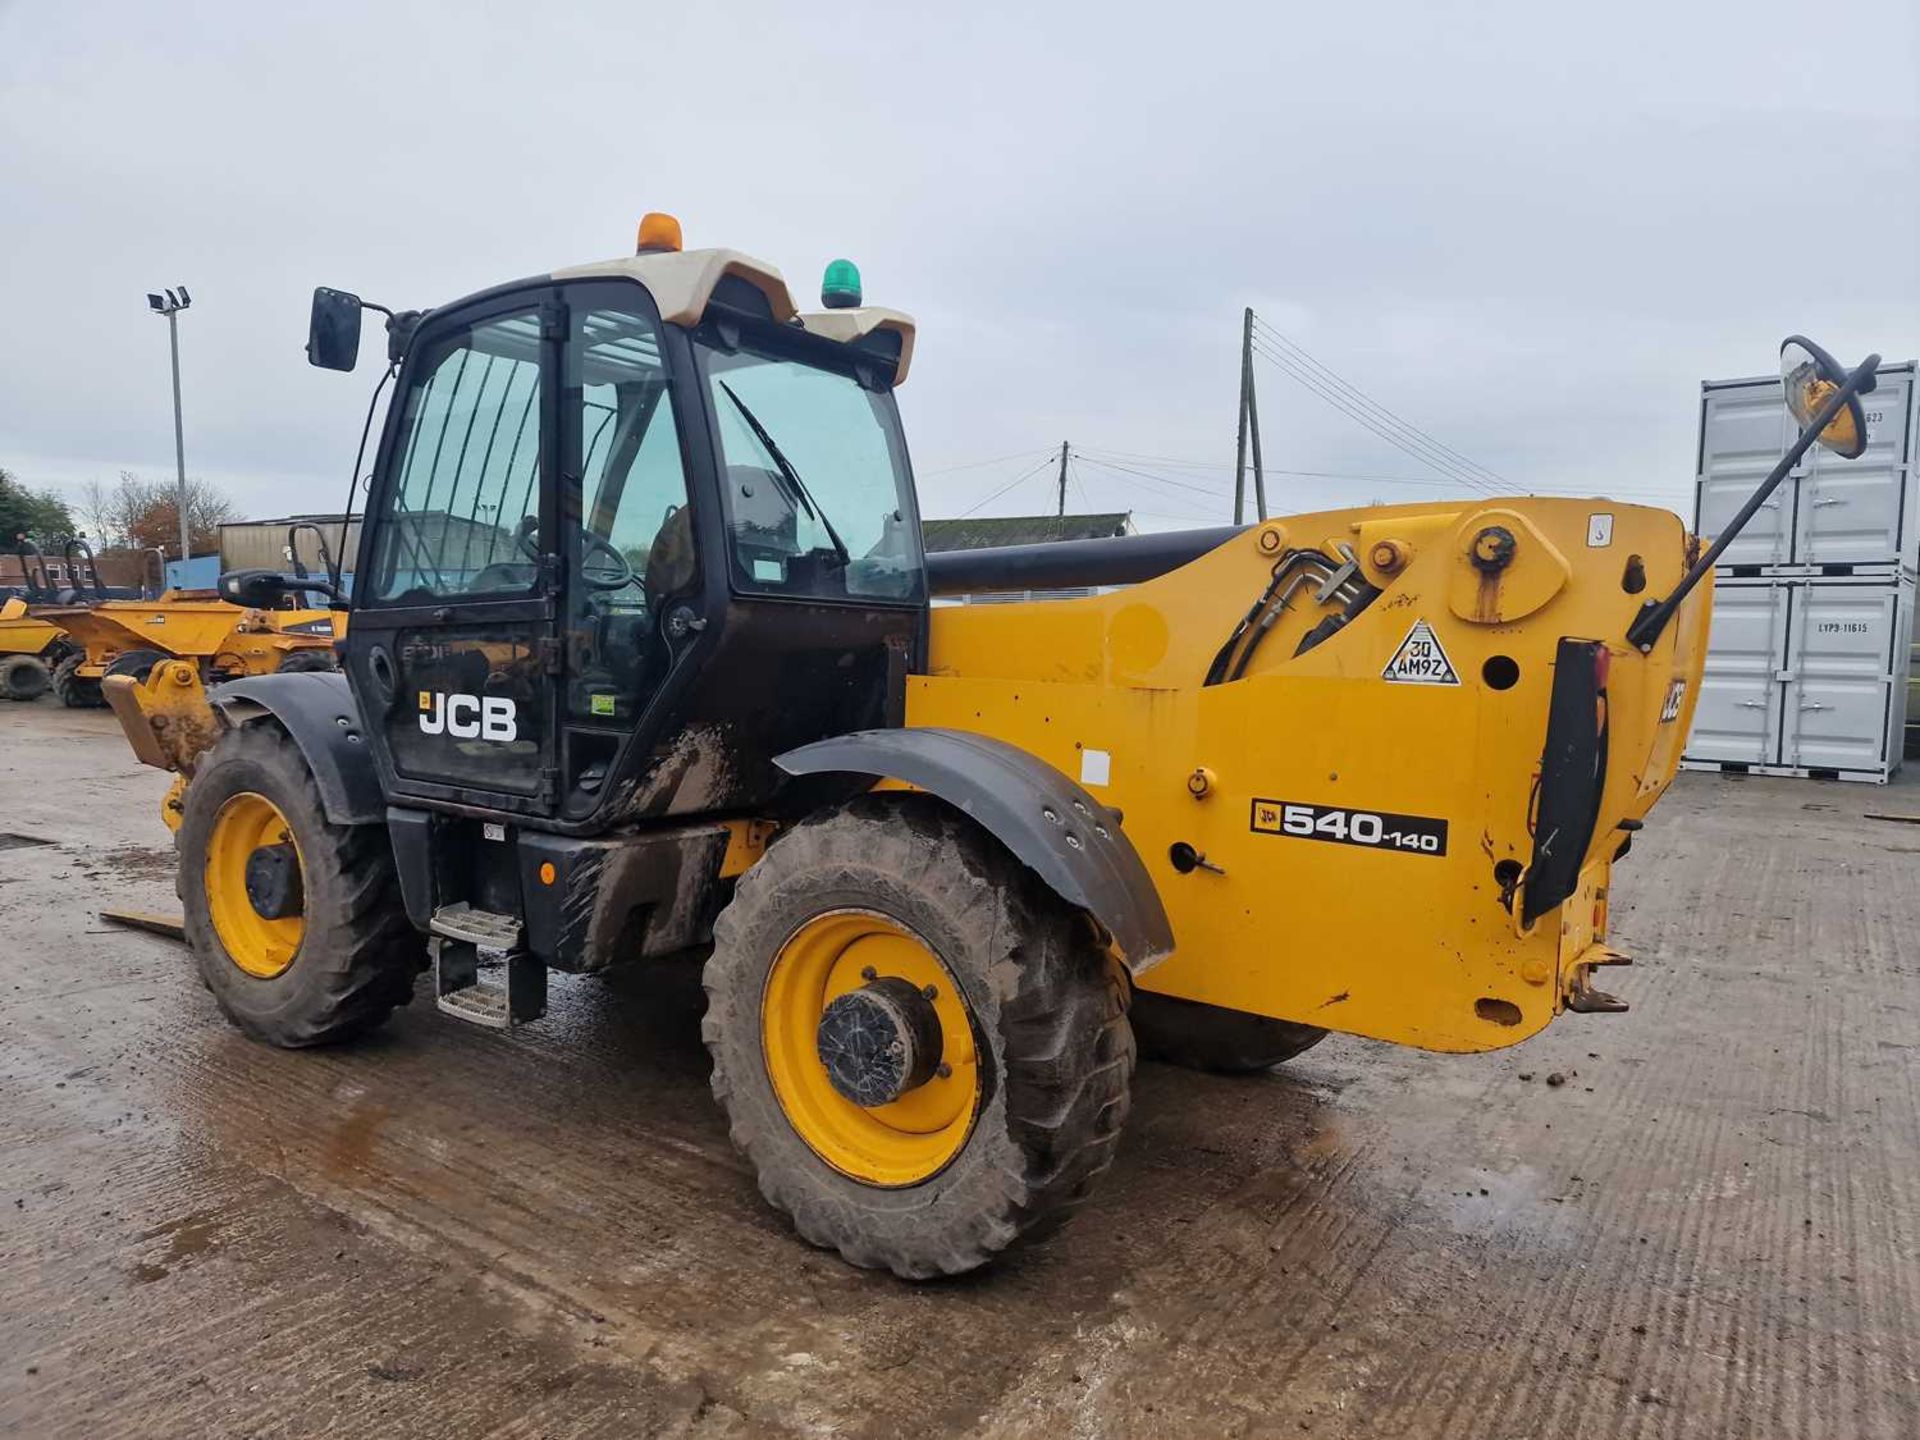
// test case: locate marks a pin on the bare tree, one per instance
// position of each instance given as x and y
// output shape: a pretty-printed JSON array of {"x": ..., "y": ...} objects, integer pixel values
[
  {"x": 145, "y": 514},
  {"x": 97, "y": 509}
]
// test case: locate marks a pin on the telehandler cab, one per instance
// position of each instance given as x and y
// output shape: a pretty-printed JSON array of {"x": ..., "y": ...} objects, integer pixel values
[{"x": 643, "y": 661}]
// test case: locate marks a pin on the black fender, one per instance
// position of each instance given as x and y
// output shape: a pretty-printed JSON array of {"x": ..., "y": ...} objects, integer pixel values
[
  {"x": 1059, "y": 831},
  {"x": 318, "y": 710}
]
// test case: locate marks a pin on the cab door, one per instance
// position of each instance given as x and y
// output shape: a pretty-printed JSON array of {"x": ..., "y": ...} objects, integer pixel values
[{"x": 453, "y": 639}]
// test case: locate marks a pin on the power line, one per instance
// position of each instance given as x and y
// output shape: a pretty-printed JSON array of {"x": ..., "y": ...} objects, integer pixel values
[
  {"x": 1294, "y": 347},
  {"x": 1432, "y": 459},
  {"x": 1166, "y": 490},
  {"x": 1023, "y": 475},
  {"x": 1073, "y": 469},
  {"x": 1168, "y": 480},
  {"x": 1401, "y": 440},
  {"x": 978, "y": 464},
  {"x": 1294, "y": 350},
  {"x": 1271, "y": 470}
]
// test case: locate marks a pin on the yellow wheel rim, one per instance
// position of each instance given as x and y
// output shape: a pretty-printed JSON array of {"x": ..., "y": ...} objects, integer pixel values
[
  {"x": 910, "y": 1139},
  {"x": 263, "y": 948}
]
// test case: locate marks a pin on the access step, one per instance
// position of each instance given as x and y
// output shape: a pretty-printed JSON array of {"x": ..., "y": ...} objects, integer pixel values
[
  {"x": 480, "y": 974},
  {"x": 481, "y": 929}
]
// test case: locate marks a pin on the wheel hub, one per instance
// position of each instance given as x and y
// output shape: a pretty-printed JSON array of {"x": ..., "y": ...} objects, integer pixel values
[
  {"x": 273, "y": 882},
  {"x": 251, "y": 875},
  {"x": 879, "y": 1042}
]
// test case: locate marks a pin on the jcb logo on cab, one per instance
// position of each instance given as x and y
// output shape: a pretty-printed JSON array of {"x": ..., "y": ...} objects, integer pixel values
[{"x": 469, "y": 717}]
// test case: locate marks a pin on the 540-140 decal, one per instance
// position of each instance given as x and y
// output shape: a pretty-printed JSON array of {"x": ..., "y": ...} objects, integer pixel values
[{"x": 1340, "y": 825}]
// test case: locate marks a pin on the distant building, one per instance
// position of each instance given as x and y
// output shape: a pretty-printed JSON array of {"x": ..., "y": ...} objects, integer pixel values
[
  {"x": 262, "y": 544},
  {"x": 985, "y": 532}
]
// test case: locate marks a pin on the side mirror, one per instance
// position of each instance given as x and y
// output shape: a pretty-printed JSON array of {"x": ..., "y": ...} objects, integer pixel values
[
  {"x": 1811, "y": 376},
  {"x": 333, "y": 330},
  {"x": 255, "y": 589}
]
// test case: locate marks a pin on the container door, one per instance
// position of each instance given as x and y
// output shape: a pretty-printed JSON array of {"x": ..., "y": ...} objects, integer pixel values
[
  {"x": 1855, "y": 512},
  {"x": 1744, "y": 430},
  {"x": 1738, "y": 718},
  {"x": 1840, "y": 665}
]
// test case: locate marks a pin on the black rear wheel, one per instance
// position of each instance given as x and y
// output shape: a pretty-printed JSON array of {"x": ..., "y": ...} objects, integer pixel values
[
  {"x": 137, "y": 663},
  {"x": 296, "y": 662},
  {"x": 297, "y": 923},
  {"x": 74, "y": 690},
  {"x": 1207, "y": 1037},
  {"x": 23, "y": 677},
  {"x": 920, "y": 1048}
]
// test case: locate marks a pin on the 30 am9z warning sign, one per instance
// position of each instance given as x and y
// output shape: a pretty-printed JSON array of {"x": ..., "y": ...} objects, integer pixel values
[{"x": 1420, "y": 660}]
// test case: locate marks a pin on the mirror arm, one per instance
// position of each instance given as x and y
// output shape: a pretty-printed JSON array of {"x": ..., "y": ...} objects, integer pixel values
[{"x": 1654, "y": 614}]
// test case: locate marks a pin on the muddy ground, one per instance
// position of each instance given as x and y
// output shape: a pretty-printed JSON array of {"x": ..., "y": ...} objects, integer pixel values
[{"x": 1712, "y": 1228}]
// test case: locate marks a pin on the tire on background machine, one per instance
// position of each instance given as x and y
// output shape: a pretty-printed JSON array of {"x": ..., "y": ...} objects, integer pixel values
[
  {"x": 74, "y": 690},
  {"x": 306, "y": 660},
  {"x": 1209, "y": 1037},
  {"x": 357, "y": 956},
  {"x": 137, "y": 663},
  {"x": 1046, "y": 1005},
  {"x": 23, "y": 677}
]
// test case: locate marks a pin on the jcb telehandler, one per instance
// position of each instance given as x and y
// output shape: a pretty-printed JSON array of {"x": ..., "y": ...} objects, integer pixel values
[{"x": 643, "y": 660}]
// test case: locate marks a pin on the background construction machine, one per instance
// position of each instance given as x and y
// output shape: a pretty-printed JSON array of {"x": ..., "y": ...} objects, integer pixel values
[
  {"x": 30, "y": 648},
  {"x": 107, "y": 636},
  {"x": 643, "y": 662}
]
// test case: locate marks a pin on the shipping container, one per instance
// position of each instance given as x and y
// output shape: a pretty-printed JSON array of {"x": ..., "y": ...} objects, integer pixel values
[
  {"x": 262, "y": 544},
  {"x": 1805, "y": 676},
  {"x": 1830, "y": 516}
]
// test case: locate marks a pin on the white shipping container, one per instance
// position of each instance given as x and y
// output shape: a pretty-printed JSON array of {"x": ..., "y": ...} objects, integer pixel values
[
  {"x": 1829, "y": 516},
  {"x": 1805, "y": 676}
]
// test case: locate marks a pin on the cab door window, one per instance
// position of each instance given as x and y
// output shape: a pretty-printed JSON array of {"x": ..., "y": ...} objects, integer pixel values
[
  {"x": 629, "y": 530},
  {"x": 463, "y": 510}
]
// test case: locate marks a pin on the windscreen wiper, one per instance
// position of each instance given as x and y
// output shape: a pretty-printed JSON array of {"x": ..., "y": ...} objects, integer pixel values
[{"x": 797, "y": 488}]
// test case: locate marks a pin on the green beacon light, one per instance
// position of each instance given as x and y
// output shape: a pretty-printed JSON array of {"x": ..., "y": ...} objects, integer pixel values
[{"x": 840, "y": 286}]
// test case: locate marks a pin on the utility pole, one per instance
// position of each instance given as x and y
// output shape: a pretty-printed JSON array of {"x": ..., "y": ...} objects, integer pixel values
[
  {"x": 1253, "y": 427},
  {"x": 170, "y": 305},
  {"x": 1063, "y": 479},
  {"x": 1249, "y": 429}
]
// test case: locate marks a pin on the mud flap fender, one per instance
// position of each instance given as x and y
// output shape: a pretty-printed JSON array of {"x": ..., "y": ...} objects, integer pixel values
[
  {"x": 317, "y": 710},
  {"x": 1059, "y": 831}
]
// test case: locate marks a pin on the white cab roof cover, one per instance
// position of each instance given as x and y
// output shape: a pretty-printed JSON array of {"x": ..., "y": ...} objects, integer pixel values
[{"x": 682, "y": 281}]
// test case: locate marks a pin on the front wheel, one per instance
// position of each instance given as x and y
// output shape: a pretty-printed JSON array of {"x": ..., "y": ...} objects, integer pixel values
[
  {"x": 920, "y": 1048},
  {"x": 296, "y": 923}
]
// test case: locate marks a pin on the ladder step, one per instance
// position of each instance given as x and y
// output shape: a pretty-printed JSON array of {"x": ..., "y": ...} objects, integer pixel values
[
  {"x": 498, "y": 992},
  {"x": 482, "y": 1003},
  {"x": 481, "y": 929}
]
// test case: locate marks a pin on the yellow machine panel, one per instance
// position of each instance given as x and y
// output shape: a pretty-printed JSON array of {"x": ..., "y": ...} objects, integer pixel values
[
  {"x": 226, "y": 638},
  {"x": 1342, "y": 836},
  {"x": 23, "y": 632}
]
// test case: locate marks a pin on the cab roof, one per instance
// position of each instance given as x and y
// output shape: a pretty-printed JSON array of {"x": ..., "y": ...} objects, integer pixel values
[{"x": 682, "y": 282}]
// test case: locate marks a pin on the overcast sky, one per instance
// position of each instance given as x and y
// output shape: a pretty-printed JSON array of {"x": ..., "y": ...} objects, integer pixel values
[{"x": 1530, "y": 229}]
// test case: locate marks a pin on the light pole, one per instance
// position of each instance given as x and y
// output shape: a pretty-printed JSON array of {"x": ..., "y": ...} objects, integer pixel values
[{"x": 170, "y": 305}]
